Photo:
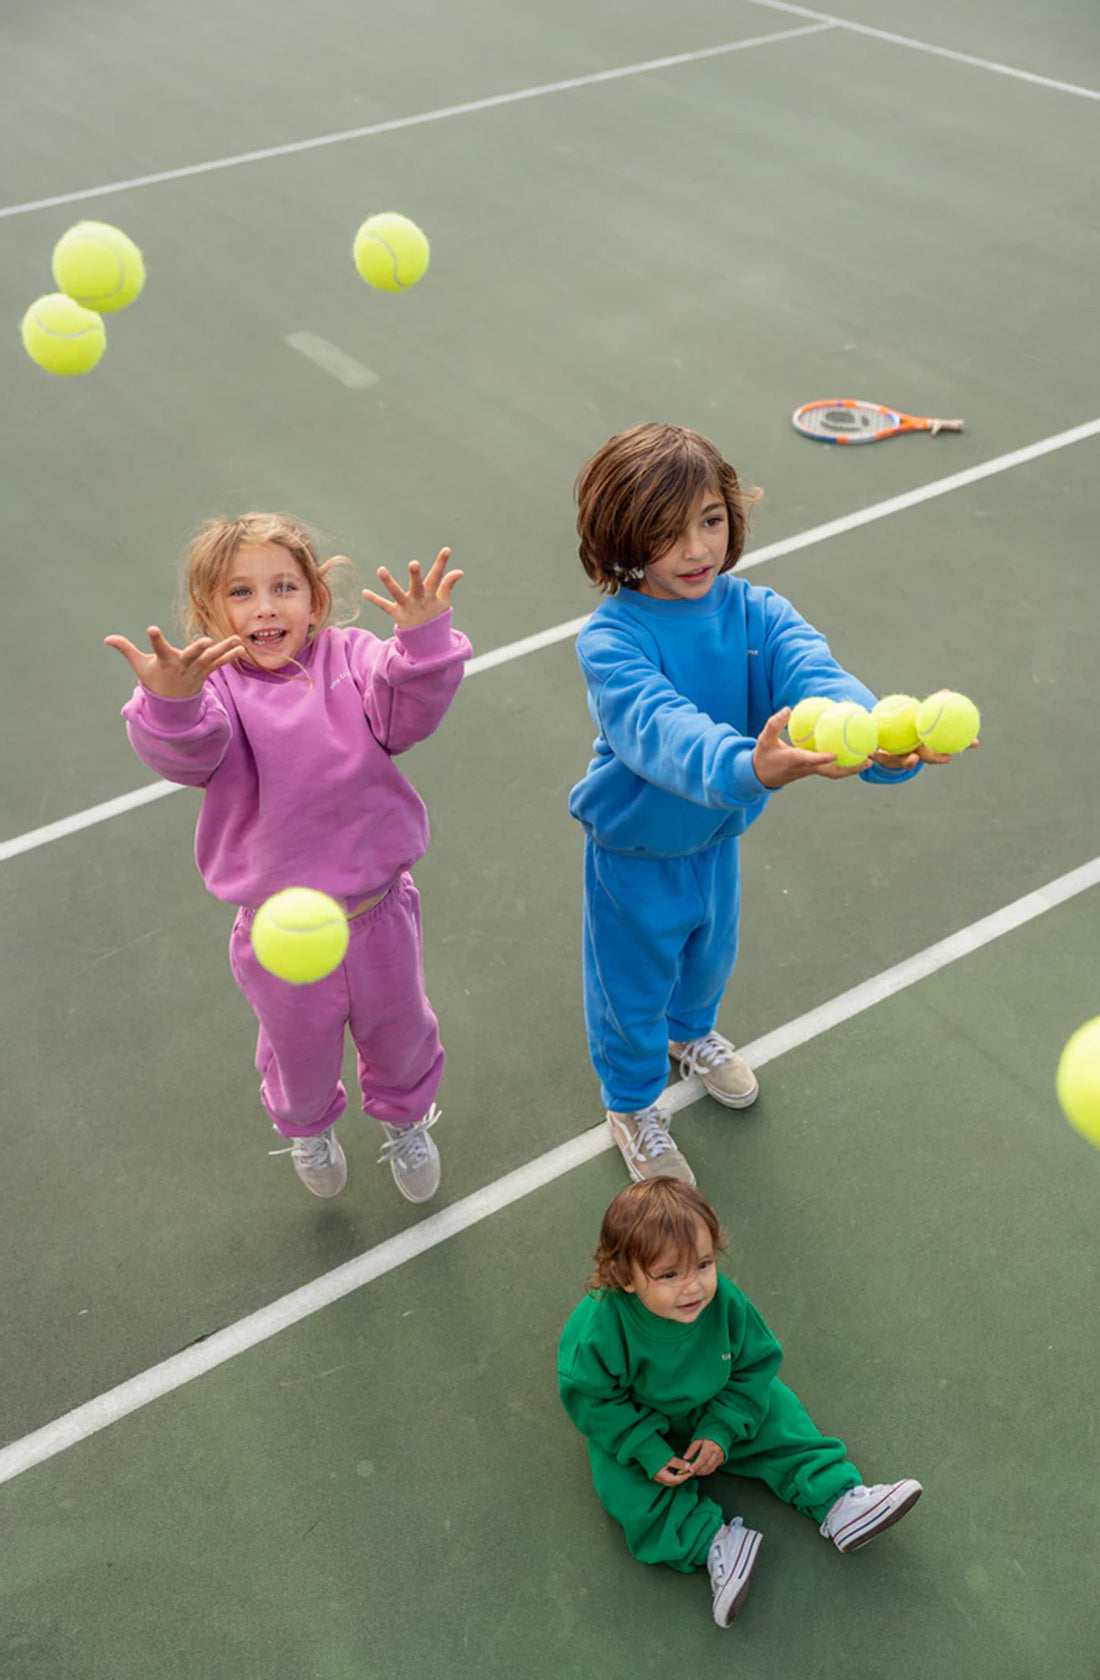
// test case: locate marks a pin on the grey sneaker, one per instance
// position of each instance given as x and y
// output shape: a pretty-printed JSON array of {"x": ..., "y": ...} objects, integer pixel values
[
  {"x": 730, "y": 1564},
  {"x": 727, "y": 1077},
  {"x": 320, "y": 1164},
  {"x": 647, "y": 1146},
  {"x": 413, "y": 1157},
  {"x": 863, "y": 1512}
]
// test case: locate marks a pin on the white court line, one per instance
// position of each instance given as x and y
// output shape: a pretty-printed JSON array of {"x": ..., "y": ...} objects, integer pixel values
[
  {"x": 223, "y": 1345},
  {"x": 331, "y": 359},
  {"x": 417, "y": 121},
  {"x": 65, "y": 826},
  {"x": 928, "y": 47}
]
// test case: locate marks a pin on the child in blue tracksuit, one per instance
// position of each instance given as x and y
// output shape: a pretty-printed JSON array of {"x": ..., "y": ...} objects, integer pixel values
[{"x": 690, "y": 675}]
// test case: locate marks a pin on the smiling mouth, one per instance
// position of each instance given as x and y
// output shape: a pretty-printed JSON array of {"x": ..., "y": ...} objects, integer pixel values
[
  {"x": 267, "y": 638},
  {"x": 693, "y": 577}
]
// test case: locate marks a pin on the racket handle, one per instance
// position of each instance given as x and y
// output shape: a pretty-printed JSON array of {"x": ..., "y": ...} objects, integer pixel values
[{"x": 945, "y": 426}]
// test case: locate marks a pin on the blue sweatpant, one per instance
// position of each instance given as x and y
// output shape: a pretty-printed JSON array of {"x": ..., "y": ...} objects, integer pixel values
[{"x": 660, "y": 942}]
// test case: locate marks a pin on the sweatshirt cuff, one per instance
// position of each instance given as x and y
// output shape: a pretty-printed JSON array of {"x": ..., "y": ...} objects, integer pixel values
[
  {"x": 433, "y": 640},
  {"x": 653, "y": 1454},
  {"x": 748, "y": 789},
  {"x": 170, "y": 717}
]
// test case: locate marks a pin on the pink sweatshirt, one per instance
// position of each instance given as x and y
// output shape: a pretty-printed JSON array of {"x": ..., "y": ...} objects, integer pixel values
[{"x": 301, "y": 787}]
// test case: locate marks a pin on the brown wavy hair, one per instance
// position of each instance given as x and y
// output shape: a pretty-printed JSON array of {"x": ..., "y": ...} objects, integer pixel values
[
  {"x": 645, "y": 1221},
  {"x": 216, "y": 546},
  {"x": 635, "y": 496}
]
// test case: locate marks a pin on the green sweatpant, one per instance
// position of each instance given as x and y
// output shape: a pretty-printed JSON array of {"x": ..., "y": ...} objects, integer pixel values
[{"x": 675, "y": 1525}]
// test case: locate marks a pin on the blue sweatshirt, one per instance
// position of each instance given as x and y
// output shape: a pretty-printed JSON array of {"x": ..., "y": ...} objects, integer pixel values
[{"x": 679, "y": 691}]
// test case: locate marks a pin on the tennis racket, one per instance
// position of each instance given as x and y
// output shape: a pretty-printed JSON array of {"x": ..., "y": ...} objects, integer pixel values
[{"x": 845, "y": 420}]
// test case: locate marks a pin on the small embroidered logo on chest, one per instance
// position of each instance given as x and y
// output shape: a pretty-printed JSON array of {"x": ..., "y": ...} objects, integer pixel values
[
  {"x": 344, "y": 676},
  {"x": 753, "y": 653},
  {"x": 727, "y": 1356}
]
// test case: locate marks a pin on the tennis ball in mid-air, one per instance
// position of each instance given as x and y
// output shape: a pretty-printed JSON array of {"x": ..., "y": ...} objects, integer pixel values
[
  {"x": 1078, "y": 1081},
  {"x": 803, "y": 720},
  {"x": 300, "y": 935},
  {"x": 896, "y": 716},
  {"x": 390, "y": 252},
  {"x": 98, "y": 266},
  {"x": 947, "y": 722},
  {"x": 847, "y": 730},
  {"x": 61, "y": 336}
]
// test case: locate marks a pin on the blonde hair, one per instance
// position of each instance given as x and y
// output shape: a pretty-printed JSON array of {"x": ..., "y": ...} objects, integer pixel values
[
  {"x": 635, "y": 496},
  {"x": 211, "y": 554},
  {"x": 645, "y": 1221}
]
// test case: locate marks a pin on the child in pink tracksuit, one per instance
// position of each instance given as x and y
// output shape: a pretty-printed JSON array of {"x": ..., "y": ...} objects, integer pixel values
[{"x": 291, "y": 729}]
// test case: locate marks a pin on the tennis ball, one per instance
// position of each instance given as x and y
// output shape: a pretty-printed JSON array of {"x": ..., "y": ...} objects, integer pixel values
[
  {"x": 847, "y": 730},
  {"x": 300, "y": 935},
  {"x": 390, "y": 252},
  {"x": 896, "y": 716},
  {"x": 947, "y": 722},
  {"x": 802, "y": 721},
  {"x": 61, "y": 336},
  {"x": 98, "y": 266},
  {"x": 1078, "y": 1081}
]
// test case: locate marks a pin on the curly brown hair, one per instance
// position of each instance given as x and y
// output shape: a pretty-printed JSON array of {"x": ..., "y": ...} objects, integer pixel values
[
  {"x": 635, "y": 496},
  {"x": 645, "y": 1221}
]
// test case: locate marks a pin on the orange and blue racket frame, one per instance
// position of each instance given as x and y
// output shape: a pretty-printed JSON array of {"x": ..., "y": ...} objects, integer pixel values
[{"x": 850, "y": 420}]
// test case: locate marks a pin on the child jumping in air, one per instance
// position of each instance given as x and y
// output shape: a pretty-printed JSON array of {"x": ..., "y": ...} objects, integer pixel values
[
  {"x": 291, "y": 730},
  {"x": 670, "y": 1373},
  {"x": 691, "y": 673}
]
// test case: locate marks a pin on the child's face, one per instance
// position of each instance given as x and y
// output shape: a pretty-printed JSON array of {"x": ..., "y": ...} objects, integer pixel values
[
  {"x": 686, "y": 571},
  {"x": 678, "y": 1286},
  {"x": 268, "y": 604}
]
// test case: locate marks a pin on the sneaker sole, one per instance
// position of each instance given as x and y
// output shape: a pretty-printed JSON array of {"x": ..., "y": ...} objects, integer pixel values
[
  {"x": 731, "y": 1601},
  {"x": 863, "y": 1537},
  {"x": 746, "y": 1099}
]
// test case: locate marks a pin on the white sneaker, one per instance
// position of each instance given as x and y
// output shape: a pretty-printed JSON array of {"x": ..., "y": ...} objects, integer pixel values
[
  {"x": 730, "y": 1564},
  {"x": 413, "y": 1157},
  {"x": 727, "y": 1077},
  {"x": 646, "y": 1144},
  {"x": 320, "y": 1163},
  {"x": 863, "y": 1512}
]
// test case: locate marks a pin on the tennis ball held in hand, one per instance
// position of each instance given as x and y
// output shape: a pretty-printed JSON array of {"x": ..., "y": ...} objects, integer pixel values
[
  {"x": 390, "y": 252},
  {"x": 62, "y": 336},
  {"x": 803, "y": 721},
  {"x": 847, "y": 730},
  {"x": 896, "y": 717},
  {"x": 98, "y": 266},
  {"x": 1078, "y": 1081},
  {"x": 300, "y": 935},
  {"x": 947, "y": 722}
]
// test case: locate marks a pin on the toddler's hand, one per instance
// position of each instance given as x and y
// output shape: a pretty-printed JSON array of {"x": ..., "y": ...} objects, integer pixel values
[
  {"x": 704, "y": 1457},
  {"x": 175, "y": 673},
  {"x": 776, "y": 763},
  {"x": 425, "y": 598},
  {"x": 673, "y": 1473}
]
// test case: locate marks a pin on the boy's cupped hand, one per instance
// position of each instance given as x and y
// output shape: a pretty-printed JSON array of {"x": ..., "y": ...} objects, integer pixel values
[{"x": 777, "y": 763}]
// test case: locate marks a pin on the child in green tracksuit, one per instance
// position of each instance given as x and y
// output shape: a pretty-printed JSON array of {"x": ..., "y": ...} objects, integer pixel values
[{"x": 671, "y": 1373}]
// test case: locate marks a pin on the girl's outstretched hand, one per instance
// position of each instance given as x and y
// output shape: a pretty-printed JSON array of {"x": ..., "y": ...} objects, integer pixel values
[
  {"x": 175, "y": 673},
  {"x": 425, "y": 598},
  {"x": 776, "y": 762}
]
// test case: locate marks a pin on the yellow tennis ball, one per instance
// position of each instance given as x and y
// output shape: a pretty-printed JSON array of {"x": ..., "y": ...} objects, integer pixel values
[
  {"x": 947, "y": 722},
  {"x": 847, "y": 730},
  {"x": 1078, "y": 1081},
  {"x": 61, "y": 336},
  {"x": 390, "y": 252},
  {"x": 896, "y": 716},
  {"x": 300, "y": 935},
  {"x": 99, "y": 266},
  {"x": 803, "y": 720}
]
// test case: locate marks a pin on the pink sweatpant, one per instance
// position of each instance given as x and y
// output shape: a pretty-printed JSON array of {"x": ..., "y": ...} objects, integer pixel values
[{"x": 377, "y": 992}]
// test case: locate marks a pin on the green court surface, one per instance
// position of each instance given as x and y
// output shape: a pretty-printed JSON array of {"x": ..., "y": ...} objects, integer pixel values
[{"x": 388, "y": 1486}]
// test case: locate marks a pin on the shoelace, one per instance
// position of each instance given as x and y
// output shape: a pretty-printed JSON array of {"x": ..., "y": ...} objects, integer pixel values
[
  {"x": 651, "y": 1131},
  {"x": 708, "y": 1052},
  {"x": 311, "y": 1151},
  {"x": 410, "y": 1148}
]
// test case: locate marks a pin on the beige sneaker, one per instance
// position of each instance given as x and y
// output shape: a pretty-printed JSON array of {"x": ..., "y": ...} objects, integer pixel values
[
  {"x": 320, "y": 1163},
  {"x": 728, "y": 1079},
  {"x": 413, "y": 1157},
  {"x": 646, "y": 1145}
]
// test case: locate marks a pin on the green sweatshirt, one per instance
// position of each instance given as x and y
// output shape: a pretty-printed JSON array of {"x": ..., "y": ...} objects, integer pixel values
[{"x": 630, "y": 1381}]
